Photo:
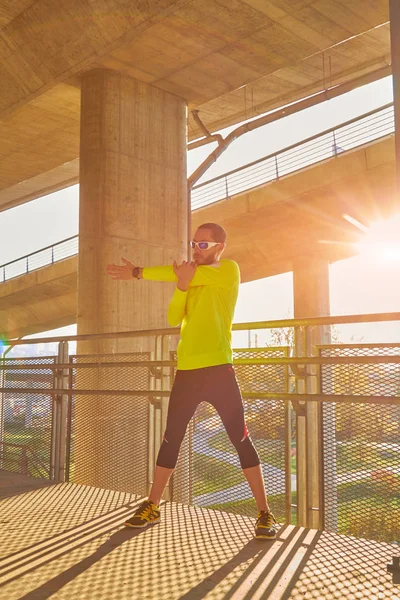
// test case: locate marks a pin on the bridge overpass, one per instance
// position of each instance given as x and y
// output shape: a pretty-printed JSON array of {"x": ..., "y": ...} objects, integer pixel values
[
  {"x": 110, "y": 92},
  {"x": 270, "y": 226}
]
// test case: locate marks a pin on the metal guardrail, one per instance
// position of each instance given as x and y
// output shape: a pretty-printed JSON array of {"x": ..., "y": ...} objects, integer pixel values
[
  {"x": 252, "y": 325},
  {"x": 28, "y": 462},
  {"x": 41, "y": 258},
  {"x": 330, "y": 143},
  {"x": 324, "y": 419}
]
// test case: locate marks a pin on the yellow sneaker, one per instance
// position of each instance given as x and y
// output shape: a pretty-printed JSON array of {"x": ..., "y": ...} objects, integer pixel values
[
  {"x": 265, "y": 526},
  {"x": 146, "y": 514}
]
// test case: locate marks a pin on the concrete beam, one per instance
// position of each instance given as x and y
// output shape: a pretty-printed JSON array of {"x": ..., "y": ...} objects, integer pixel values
[{"x": 41, "y": 300}]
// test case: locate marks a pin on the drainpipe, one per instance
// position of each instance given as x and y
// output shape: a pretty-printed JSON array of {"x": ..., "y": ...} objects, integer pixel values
[{"x": 209, "y": 137}]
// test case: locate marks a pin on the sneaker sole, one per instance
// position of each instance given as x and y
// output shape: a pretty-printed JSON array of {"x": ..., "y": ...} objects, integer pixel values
[
  {"x": 142, "y": 526},
  {"x": 265, "y": 537}
]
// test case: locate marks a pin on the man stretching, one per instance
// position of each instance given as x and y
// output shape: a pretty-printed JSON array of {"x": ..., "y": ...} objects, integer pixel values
[{"x": 203, "y": 304}]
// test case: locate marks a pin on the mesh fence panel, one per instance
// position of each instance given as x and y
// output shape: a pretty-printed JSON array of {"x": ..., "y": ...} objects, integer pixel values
[
  {"x": 109, "y": 433},
  {"x": 115, "y": 432},
  {"x": 362, "y": 463},
  {"x": 27, "y": 418}
]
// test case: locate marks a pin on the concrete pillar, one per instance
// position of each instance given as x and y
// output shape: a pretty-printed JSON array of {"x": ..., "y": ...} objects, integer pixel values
[
  {"x": 394, "y": 9},
  {"x": 133, "y": 203},
  {"x": 316, "y": 478},
  {"x": 311, "y": 287}
]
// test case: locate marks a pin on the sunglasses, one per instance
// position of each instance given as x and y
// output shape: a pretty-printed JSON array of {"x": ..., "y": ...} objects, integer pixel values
[{"x": 203, "y": 245}]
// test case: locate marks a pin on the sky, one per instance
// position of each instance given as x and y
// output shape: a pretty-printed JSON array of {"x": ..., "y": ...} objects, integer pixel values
[{"x": 357, "y": 285}]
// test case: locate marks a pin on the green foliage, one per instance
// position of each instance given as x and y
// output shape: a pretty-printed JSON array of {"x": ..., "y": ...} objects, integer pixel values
[
  {"x": 372, "y": 518},
  {"x": 370, "y": 508},
  {"x": 34, "y": 437},
  {"x": 366, "y": 421},
  {"x": 360, "y": 456}
]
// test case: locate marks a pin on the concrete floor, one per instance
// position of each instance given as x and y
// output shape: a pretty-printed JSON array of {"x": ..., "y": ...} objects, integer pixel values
[{"x": 65, "y": 541}]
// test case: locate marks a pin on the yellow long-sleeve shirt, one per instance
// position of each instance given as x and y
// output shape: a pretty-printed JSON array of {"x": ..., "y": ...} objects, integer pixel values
[{"x": 205, "y": 312}]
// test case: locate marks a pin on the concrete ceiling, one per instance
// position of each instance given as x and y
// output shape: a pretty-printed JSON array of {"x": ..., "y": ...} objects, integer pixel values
[{"x": 231, "y": 59}]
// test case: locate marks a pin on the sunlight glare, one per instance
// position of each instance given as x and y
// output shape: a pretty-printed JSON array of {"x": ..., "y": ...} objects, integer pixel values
[{"x": 382, "y": 242}]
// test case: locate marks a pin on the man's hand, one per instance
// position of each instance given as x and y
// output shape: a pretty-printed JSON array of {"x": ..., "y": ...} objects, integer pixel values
[
  {"x": 122, "y": 271},
  {"x": 184, "y": 273}
]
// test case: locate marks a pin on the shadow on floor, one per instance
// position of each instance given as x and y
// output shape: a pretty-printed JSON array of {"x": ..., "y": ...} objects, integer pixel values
[
  {"x": 12, "y": 484},
  {"x": 68, "y": 541}
]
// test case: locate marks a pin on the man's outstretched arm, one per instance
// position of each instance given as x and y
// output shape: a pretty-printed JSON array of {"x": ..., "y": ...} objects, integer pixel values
[
  {"x": 129, "y": 271},
  {"x": 221, "y": 275}
]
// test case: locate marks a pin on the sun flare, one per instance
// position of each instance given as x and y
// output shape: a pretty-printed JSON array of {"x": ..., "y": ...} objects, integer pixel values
[{"x": 382, "y": 240}]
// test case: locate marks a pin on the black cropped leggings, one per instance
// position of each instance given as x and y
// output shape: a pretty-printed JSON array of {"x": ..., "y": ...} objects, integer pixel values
[{"x": 218, "y": 386}]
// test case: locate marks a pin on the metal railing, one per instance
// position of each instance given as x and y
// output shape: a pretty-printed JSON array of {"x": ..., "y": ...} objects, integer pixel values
[
  {"x": 330, "y": 143},
  {"x": 22, "y": 459},
  {"x": 41, "y": 258},
  {"x": 324, "y": 419}
]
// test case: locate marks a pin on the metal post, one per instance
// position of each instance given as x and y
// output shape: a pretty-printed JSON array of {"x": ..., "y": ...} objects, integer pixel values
[
  {"x": 394, "y": 11},
  {"x": 164, "y": 402},
  {"x": 288, "y": 461},
  {"x": 314, "y": 434},
  {"x": 157, "y": 414},
  {"x": 335, "y": 152},
  {"x": 60, "y": 418},
  {"x": 24, "y": 461},
  {"x": 54, "y": 420},
  {"x": 276, "y": 167},
  {"x": 69, "y": 425},
  {"x": 151, "y": 429},
  {"x": 226, "y": 188},
  {"x": 311, "y": 298},
  {"x": 301, "y": 463},
  {"x": 329, "y": 492},
  {"x": 64, "y": 412}
]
